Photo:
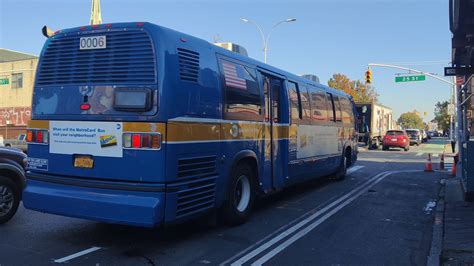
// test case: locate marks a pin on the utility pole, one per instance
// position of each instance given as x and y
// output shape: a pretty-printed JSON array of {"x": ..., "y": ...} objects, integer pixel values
[{"x": 96, "y": 16}]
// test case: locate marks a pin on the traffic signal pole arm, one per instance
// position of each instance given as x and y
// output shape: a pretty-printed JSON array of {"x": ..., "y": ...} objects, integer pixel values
[
  {"x": 453, "y": 98},
  {"x": 413, "y": 70}
]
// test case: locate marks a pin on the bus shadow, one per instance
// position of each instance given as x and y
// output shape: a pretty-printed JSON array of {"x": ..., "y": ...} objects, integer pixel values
[{"x": 131, "y": 241}]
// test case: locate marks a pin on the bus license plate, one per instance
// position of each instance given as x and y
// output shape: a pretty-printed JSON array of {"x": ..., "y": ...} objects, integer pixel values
[
  {"x": 83, "y": 161},
  {"x": 92, "y": 42}
]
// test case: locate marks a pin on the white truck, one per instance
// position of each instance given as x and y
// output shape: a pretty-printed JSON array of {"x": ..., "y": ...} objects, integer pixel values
[
  {"x": 373, "y": 122},
  {"x": 19, "y": 142}
]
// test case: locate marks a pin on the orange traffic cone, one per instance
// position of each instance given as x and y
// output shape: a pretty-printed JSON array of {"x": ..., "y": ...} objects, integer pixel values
[
  {"x": 453, "y": 170},
  {"x": 429, "y": 165},
  {"x": 441, "y": 162}
]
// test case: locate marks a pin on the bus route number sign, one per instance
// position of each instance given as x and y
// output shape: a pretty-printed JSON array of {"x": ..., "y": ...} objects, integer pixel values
[{"x": 92, "y": 42}]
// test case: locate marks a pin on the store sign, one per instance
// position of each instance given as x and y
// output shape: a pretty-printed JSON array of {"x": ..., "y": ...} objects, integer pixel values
[{"x": 4, "y": 81}]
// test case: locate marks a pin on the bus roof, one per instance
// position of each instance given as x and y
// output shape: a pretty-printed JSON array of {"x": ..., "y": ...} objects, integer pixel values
[{"x": 160, "y": 30}]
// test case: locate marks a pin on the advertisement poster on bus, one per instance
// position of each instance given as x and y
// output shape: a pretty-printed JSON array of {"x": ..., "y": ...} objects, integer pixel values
[{"x": 91, "y": 138}]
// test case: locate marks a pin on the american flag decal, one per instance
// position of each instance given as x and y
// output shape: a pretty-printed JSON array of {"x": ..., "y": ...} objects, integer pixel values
[{"x": 233, "y": 77}]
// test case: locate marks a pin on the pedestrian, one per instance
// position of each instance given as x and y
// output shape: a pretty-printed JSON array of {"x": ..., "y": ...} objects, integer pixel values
[{"x": 453, "y": 145}]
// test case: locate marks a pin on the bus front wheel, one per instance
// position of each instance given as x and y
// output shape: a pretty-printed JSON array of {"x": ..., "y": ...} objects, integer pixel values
[{"x": 240, "y": 196}]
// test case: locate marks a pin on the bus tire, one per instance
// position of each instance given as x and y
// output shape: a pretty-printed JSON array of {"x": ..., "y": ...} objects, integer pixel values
[
  {"x": 240, "y": 196},
  {"x": 9, "y": 199},
  {"x": 342, "y": 171}
]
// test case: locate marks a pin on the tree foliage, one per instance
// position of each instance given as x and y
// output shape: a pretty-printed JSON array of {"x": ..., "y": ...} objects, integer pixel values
[
  {"x": 410, "y": 120},
  {"x": 355, "y": 88},
  {"x": 441, "y": 115}
]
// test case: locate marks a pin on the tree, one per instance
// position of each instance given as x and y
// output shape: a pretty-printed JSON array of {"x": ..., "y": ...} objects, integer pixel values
[
  {"x": 410, "y": 120},
  {"x": 441, "y": 115},
  {"x": 355, "y": 88}
]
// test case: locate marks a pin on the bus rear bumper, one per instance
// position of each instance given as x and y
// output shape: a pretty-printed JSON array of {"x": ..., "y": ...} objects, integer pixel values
[{"x": 134, "y": 208}]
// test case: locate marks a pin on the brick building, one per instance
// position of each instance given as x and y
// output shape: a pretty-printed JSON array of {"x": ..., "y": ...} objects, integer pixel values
[{"x": 17, "y": 77}]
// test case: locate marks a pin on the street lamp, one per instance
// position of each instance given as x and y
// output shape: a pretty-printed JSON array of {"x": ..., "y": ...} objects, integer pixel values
[{"x": 265, "y": 39}]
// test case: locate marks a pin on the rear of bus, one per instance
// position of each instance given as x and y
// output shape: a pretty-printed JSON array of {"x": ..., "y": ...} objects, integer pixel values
[{"x": 95, "y": 141}]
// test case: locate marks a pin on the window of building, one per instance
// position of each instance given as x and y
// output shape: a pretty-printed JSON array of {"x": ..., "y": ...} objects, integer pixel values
[
  {"x": 319, "y": 106},
  {"x": 17, "y": 80},
  {"x": 242, "y": 93},
  {"x": 295, "y": 101},
  {"x": 305, "y": 103}
]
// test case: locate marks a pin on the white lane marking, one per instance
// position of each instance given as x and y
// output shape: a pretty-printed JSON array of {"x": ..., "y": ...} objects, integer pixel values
[
  {"x": 76, "y": 255},
  {"x": 429, "y": 206},
  {"x": 297, "y": 226},
  {"x": 354, "y": 169},
  {"x": 419, "y": 154},
  {"x": 272, "y": 253},
  {"x": 256, "y": 250},
  {"x": 435, "y": 155}
]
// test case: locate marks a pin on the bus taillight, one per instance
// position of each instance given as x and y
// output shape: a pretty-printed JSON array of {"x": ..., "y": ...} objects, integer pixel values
[
  {"x": 37, "y": 136},
  {"x": 142, "y": 141}
]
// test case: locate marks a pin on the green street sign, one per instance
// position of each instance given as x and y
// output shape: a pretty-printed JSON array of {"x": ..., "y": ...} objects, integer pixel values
[
  {"x": 410, "y": 78},
  {"x": 4, "y": 81}
]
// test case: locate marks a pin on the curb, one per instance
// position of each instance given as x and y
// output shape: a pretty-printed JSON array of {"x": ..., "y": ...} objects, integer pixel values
[{"x": 438, "y": 229}]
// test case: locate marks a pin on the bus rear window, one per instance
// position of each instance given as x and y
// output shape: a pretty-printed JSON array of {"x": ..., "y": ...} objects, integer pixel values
[{"x": 132, "y": 99}]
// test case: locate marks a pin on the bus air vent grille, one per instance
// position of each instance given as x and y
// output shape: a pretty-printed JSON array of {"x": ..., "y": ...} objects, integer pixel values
[
  {"x": 188, "y": 65},
  {"x": 196, "y": 197},
  {"x": 127, "y": 59},
  {"x": 197, "y": 167}
]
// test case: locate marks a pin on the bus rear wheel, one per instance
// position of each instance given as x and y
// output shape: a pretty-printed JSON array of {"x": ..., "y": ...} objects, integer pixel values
[{"x": 240, "y": 196}]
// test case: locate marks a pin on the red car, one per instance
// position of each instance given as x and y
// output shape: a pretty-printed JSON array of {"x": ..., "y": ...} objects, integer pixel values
[{"x": 397, "y": 139}]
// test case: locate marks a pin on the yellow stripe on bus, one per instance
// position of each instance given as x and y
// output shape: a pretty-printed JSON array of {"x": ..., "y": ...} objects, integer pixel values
[
  {"x": 144, "y": 127},
  {"x": 186, "y": 131},
  {"x": 39, "y": 124}
]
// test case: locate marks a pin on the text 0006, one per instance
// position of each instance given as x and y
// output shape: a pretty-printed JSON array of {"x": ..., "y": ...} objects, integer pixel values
[{"x": 93, "y": 42}]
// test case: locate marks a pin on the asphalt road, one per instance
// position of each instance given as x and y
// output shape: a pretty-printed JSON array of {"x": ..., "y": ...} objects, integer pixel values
[{"x": 382, "y": 213}]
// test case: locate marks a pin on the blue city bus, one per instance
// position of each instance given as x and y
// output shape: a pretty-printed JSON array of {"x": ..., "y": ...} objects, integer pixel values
[{"x": 137, "y": 124}]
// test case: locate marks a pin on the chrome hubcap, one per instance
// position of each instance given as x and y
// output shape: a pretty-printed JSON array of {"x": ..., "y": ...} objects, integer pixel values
[
  {"x": 242, "y": 193},
  {"x": 6, "y": 199}
]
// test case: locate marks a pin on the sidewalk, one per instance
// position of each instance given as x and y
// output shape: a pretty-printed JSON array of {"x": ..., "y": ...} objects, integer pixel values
[{"x": 458, "y": 235}]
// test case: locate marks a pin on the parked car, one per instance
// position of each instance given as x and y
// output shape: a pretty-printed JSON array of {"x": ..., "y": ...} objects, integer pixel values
[
  {"x": 12, "y": 181},
  {"x": 430, "y": 134},
  {"x": 396, "y": 139},
  {"x": 415, "y": 136}
]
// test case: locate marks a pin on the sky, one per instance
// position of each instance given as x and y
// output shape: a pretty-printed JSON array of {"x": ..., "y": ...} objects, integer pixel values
[{"x": 328, "y": 36}]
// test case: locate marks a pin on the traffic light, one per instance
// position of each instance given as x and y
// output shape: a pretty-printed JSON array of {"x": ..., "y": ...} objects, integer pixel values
[{"x": 368, "y": 76}]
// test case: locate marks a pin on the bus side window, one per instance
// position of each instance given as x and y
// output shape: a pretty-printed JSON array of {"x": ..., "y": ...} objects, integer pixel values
[
  {"x": 337, "y": 106},
  {"x": 276, "y": 85},
  {"x": 319, "y": 107},
  {"x": 241, "y": 92},
  {"x": 330, "y": 107},
  {"x": 346, "y": 108},
  {"x": 305, "y": 104},
  {"x": 295, "y": 102}
]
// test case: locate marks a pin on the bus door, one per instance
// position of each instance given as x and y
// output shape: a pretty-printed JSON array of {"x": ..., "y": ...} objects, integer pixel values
[{"x": 274, "y": 171}]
